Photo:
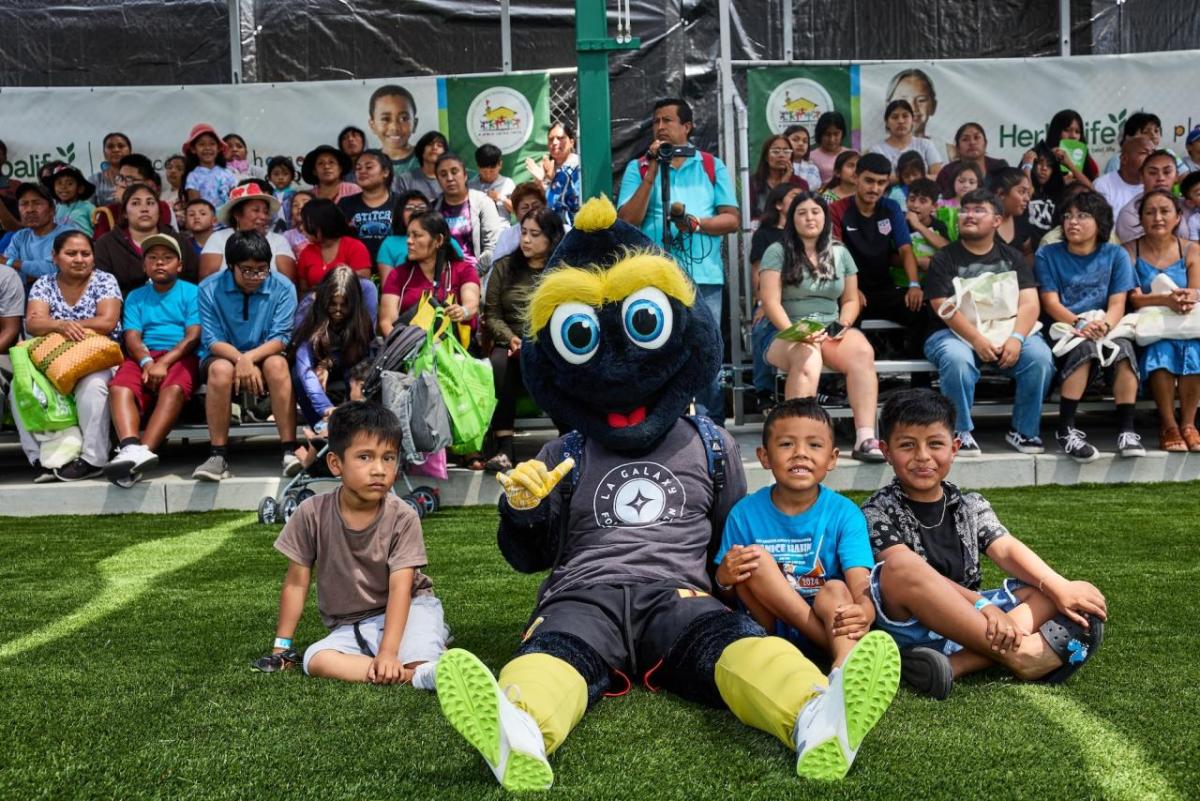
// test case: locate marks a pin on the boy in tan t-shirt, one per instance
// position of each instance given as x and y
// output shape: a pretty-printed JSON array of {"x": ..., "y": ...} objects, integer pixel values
[{"x": 386, "y": 626}]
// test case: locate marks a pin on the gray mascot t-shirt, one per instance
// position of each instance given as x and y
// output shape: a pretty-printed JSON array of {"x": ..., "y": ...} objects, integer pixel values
[{"x": 643, "y": 520}]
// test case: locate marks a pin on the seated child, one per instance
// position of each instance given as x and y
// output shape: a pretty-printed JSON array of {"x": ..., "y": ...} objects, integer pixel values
[
  {"x": 929, "y": 234},
  {"x": 796, "y": 553},
  {"x": 162, "y": 333},
  {"x": 968, "y": 179},
  {"x": 385, "y": 624},
  {"x": 71, "y": 192},
  {"x": 1190, "y": 189},
  {"x": 281, "y": 172},
  {"x": 489, "y": 161},
  {"x": 927, "y": 536},
  {"x": 909, "y": 167},
  {"x": 200, "y": 219}
]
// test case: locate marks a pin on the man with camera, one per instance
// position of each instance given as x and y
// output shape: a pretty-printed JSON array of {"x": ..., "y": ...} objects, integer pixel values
[{"x": 703, "y": 207}]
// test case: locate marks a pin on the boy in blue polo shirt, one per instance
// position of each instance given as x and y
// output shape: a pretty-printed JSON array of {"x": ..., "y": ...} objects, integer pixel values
[
  {"x": 796, "y": 554},
  {"x": 162, "y": 331},
  {"x": 246, "y": 313}
]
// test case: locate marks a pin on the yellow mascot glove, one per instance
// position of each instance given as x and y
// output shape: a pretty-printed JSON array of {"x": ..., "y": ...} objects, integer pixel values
[{"x": 530, "y": 482}]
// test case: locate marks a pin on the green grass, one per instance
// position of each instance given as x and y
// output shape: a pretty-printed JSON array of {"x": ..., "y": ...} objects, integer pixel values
[{"x": 125, "y": 644}]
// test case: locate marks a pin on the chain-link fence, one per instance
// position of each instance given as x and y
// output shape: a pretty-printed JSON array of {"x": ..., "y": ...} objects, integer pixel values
[{"x": 564, "y": 91}]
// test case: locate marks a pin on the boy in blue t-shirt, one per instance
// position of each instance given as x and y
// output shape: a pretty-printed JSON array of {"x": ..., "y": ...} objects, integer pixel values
[
  {"x": 162, "y": 332},
  {"x": 796, "y": 554}
]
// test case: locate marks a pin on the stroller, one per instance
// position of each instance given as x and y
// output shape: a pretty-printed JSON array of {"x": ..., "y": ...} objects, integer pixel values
[{"x": 400, "y": 346}]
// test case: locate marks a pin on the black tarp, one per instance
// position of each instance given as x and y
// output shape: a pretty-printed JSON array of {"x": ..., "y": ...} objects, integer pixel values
[{"x": 131, "y": 42}]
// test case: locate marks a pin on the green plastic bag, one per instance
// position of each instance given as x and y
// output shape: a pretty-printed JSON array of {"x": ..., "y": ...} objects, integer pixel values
[
  {"x": 467, "y": 388},
  {"x": 41, "y": 406}
]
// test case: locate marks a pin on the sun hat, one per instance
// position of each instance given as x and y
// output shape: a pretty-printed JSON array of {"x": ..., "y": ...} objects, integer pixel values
[
  {"x": 86, "y": 187},
  {"x": 164, "y": 240},
  {"x": 242, "y": 193},
  {"x": 198, "y": 130},
  {"x": 308, "y": 169}
]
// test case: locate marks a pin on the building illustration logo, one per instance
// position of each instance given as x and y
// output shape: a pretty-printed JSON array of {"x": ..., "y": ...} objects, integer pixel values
[{"x": 500, "y": 116}]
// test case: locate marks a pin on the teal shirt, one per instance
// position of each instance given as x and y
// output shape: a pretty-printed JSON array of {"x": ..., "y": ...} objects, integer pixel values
[
  {"x": 162, "y": 318},
  {"x": 818, "y": 300},
  {"x": 700, "y": 254}
]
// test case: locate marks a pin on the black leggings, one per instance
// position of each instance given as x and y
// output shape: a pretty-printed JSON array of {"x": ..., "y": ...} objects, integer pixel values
[{"x": 506, "y": 372}]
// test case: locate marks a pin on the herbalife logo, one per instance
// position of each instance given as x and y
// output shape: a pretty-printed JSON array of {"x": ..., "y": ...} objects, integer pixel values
[
  {"x": 28, "y": 166},
  {"x": 1098, "y": 132}
]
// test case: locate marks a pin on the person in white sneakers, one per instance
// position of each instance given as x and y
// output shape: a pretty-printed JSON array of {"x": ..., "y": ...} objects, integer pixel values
[
  {"x": 162, "y": 332},
  {"x": 385, "y": 624}
]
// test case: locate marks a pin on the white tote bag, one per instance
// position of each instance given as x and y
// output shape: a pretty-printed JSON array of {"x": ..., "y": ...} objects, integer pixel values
[{"x": 989, "y": 302}]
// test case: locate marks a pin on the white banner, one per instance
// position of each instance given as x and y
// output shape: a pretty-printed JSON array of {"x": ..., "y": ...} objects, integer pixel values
[
  {"x": 289, "y": 119},
  {"x": 1014, "y": 99}
]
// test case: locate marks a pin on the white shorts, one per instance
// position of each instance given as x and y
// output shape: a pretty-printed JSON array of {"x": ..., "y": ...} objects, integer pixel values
[{"x": 425, "y": 635}]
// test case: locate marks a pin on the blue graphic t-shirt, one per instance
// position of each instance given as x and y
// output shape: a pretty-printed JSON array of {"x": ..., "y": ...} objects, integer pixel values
[
  {"x": 810, "y": 548},
  {"x": 1084, "y": 283}
]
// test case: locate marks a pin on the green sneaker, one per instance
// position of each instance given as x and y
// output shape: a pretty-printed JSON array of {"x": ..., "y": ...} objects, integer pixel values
[
  {"x": 831, "y": 726},
  {"x": 507, "y": 737}
]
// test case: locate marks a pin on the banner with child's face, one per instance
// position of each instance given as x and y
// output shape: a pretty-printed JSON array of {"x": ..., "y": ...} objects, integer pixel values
[
  {"x": 288, "y": 119},
  {"x": 1013, "y": 99}
]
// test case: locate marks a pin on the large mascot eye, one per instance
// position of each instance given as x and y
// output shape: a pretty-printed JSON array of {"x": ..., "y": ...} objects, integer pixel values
[
  {"x": 575, "y": 332},
  {"x": 648, "y": 318}
]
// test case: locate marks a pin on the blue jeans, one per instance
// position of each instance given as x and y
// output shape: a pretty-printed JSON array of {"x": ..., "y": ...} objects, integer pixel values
[
  {"x": 958, "y": 372},
  {"x": 713, "y": 400},
  {"x": 761, "y": 337}
]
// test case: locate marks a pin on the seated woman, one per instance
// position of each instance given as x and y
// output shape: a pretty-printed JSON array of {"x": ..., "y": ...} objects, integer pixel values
[
  {"x": 471, "y": 215},
  {"x": 119, "y": 251},
  {"x": 393, "y": 251},
  {"x": 431, "y": 268},
  {"x": 1015, "y": 189},
  {"x": 770, "y": 230},
  {"x": 509, "y": 286},
  {"x": 1169, "y": 363},
  {"x": 1083, "y": 282},
  {"x": 774, "y": 169},
  {"x": 331, "y": 346},
  {"x": 323, "y": 168},
  {"x": 73, "y": 301},
  {"x": 332, "y": 243},
  {"x": 810, "y": 276},
  {"x": 898, "y": 120}
]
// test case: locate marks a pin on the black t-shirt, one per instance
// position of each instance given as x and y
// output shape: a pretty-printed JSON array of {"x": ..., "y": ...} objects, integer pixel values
[
  {"x": 1025, "y": 234},
  {"x": 939, "y": 537},
  {"x": 763, "y": 238},
  {"x": 955, "y": 261},
  {"x": 371, "y": 225}
]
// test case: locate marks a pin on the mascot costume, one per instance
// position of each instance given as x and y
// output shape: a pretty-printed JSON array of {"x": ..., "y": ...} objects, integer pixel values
[{"x": 617, "y": 346}]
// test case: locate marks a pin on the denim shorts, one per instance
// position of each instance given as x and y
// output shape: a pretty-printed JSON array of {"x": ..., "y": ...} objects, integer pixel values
[{"x": 912, "y": 632}]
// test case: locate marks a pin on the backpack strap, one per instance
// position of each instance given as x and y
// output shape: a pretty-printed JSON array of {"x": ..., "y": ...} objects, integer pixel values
[
  {"x": 572, "y": 446},
  {"x": 714, "y": 449}
]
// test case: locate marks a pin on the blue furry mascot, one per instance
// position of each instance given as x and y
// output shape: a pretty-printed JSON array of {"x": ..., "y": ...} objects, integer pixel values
[{"x": 617, "y": 347}]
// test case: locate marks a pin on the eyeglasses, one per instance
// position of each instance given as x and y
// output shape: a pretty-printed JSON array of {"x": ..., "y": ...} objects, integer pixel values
[
  {"x": 780, "y": 151},
  {"x": 1077, "y": 216},
  {"x": 254, "y": 273},
  {"x": 123, "y": 179},
  {"x": 976, "y": 211}
]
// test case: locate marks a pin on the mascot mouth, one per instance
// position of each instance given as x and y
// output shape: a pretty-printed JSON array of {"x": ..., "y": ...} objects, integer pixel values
[{"x": 633, "y": 418}]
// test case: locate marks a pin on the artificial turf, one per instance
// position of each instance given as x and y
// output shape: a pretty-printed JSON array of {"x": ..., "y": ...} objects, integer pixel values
[{"x": 125, "y": 645}]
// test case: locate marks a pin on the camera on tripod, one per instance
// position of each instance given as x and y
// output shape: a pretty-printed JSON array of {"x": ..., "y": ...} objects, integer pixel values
[{"x": 668, "y": 151}]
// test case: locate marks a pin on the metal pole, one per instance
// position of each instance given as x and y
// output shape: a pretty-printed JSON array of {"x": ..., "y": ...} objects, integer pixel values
[
  {"x": 1064, "y": 27},
  {"x": 505, "y": 38},
  {"x": 235, "y": 41},
  {"x": 728, "y": 153},
  {"x": 787, "y": 30},
  {"x": 592, "y": 45}
]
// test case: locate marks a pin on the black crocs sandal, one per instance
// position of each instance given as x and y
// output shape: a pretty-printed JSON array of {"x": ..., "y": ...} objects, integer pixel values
[
  {"x": 274, "y": 663},
  {"x": 927, "y": 671},
  {"x": 1072, "y": 643}
]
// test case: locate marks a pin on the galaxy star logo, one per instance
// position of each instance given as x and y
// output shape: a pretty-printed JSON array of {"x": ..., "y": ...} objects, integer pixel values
[{"x": 638, "y": 494}]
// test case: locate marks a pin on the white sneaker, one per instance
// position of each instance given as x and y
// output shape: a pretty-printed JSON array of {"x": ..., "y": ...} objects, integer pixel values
[
  {"x": 507, "y": 737},
  {"x": 131, "y": 458},
  {"x": 831, "y": 726},
  {"x": 291, "y": 465},
  {"x": 425, "y": 676}
]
